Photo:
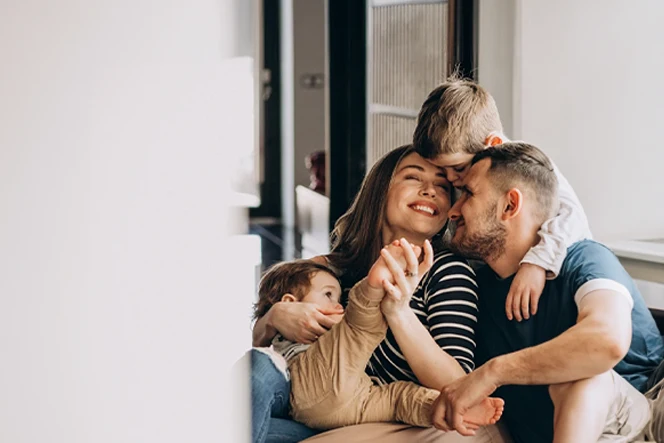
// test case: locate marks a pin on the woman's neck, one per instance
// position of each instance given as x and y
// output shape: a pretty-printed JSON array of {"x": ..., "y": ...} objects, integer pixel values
[{"x": 389, "y": 236}]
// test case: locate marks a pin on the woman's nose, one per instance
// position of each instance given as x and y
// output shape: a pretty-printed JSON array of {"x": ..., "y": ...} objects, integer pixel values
[{"x": 428, "y": 189}]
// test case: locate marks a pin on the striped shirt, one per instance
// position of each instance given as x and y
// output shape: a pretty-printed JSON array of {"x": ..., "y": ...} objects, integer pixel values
[{"x": 445, "y": 302}]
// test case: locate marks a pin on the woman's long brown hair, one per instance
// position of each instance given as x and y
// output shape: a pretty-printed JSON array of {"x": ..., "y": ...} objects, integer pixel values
[{"x": 357, "y": 236}]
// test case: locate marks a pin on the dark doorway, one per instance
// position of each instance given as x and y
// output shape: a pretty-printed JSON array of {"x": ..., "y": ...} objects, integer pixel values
[{"x": 270, "y": 153}]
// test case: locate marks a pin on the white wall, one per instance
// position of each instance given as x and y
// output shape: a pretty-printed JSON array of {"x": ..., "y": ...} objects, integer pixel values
[
  {"x": 495, "y": 56},
  {"x": 116, "y": 275},
  {"x": 586, "y": 91}
]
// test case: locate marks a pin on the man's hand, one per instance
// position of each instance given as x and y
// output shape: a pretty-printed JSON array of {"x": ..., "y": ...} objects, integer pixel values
[
  {"x": 525, "y": 292},
  {"x": 458, "y": 397},
  {"x": 303, "y": 322}
]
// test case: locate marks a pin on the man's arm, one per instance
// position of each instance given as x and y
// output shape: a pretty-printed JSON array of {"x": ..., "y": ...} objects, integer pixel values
[{"x": 598, "y": 341}]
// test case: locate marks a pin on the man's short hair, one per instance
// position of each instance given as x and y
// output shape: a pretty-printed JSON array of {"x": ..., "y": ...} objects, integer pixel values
[
  {"x": 291, "y": 277},
  {"x": 515, "y": 163},
  {"x": 456, "y": 117}
]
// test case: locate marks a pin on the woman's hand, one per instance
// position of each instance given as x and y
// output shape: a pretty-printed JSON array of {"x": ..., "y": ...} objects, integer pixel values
[
  {"x": 405, "y": 278},
  {"x": 525, "y": 292},
  {"x": 303, "y": 322}
]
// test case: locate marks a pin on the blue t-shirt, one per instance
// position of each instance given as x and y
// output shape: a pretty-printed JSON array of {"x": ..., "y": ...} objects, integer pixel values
[{"x": 528, "y": 409}]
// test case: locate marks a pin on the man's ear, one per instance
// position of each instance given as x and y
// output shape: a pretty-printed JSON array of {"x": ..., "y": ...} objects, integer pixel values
[
  {"x": 513, "y": 204},
  {"x": 495, "y": 138},
  {"x": 288, "y": 298}
]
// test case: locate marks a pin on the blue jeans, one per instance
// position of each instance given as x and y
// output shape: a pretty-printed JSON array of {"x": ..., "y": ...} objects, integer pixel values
[{"x": 270, "y": 393}]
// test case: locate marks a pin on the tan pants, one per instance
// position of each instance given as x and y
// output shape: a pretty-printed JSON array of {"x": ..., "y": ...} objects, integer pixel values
[
  {"x": 329, "y": 387},
  {"x": 398, "y": 433}
]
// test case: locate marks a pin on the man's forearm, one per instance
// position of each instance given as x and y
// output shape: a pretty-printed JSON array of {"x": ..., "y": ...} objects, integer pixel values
[
  {"x": 263, "y": 332},
  {"x": 580, "y": 352}
]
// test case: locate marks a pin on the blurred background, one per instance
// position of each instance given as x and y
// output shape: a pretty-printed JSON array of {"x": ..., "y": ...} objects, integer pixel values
[
  {"x": 345, "y": 79},
  {"x": 155, "y": 157}
]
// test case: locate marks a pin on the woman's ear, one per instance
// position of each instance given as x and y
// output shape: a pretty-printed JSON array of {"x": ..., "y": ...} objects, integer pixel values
[
  {"x": 513, "y": 204},
  {"x": 288, "y": 298},
  {"x": 495, "y": 138}
]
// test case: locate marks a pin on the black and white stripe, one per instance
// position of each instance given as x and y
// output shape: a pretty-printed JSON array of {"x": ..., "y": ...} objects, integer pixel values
[{"x": 446, "y": 303}]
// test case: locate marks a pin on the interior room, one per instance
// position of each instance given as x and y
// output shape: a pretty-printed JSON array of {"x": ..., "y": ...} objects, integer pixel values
[{"x": 157, "y": 158}]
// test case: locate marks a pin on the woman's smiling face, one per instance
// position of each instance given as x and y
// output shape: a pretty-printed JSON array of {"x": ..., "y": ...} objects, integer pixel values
[{"x": 417, "y": 201}]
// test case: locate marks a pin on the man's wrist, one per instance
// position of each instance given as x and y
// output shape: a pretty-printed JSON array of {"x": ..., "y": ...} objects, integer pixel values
[{"x": 494, "y": 370}]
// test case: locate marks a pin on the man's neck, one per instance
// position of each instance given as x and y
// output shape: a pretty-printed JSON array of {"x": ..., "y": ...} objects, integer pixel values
[{"x": 516, "y": 248}]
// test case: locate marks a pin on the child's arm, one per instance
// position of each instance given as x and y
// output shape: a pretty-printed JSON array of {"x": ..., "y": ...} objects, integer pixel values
[
  {"x": 545, "y": 259},
  {"x": 559, "y": 233}
]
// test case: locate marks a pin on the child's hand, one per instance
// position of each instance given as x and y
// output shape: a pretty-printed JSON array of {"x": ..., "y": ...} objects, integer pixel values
[
  {"x": 380, "y": 271},
  {"x": 525, "y": 292},
  {"x": 406, "y": 278}
]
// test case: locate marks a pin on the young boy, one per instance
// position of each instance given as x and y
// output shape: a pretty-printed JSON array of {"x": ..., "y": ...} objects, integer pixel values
[
  {"x": 329, "y": 385},
  {"x": 460, "y": 118}
]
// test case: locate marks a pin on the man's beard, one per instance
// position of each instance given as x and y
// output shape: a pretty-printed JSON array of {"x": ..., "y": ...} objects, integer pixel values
[{"x": 487, "y": 244}]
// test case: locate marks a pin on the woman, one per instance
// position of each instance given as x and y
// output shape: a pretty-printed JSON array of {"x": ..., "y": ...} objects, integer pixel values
[{"x": 433, "y": 345}]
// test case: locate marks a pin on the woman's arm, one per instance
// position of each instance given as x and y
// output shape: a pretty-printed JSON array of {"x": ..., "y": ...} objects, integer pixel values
[
  {"x": 298, "y": 322},
  {"x": 445, "y": 351},
  {"x": 559, "y": 233}
]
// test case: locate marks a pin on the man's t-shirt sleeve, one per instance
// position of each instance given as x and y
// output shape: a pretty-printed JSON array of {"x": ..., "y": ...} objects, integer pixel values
[{"x": 591, "y": 266}]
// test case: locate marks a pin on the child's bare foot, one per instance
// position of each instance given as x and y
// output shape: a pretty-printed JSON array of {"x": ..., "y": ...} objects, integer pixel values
[{"x": 486, "y": 413}]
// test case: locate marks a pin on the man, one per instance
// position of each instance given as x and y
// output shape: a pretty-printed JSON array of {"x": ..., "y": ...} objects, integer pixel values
[{"x": 572, "y": 372}]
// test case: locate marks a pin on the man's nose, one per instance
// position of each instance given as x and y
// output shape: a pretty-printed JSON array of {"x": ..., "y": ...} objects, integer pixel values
[{"x": 454, "y": 213}]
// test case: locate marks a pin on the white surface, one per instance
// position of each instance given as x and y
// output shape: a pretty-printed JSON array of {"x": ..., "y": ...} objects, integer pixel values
[
  {"x": 638, "y": 250},
  {"x": 653, "y": 293},
  {"x": 117, "y": 280},
  {"x": 580, "y": 94}
]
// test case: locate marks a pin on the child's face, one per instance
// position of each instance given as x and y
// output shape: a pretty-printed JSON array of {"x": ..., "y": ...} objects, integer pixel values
[
  {"x": 455, "y": 166},
  {"x": 325, "y": 291}
]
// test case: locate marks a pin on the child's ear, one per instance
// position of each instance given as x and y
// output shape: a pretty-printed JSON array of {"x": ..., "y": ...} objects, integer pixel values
[
  {"x": 495, "y": 138},
  {"x": 288, "y": 298}
]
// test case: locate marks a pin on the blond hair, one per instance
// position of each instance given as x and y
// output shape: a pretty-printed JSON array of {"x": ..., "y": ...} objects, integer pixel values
[{"x": 456, "y": 117}]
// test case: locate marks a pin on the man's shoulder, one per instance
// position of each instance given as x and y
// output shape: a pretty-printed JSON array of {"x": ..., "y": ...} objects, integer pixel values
[
  {"x": 589, "y": 260},
  {"x": 587, "y": 252}
]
